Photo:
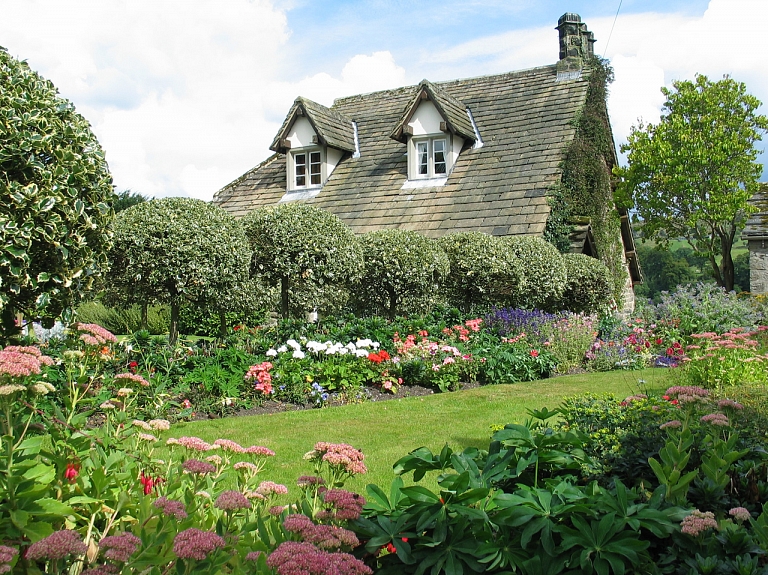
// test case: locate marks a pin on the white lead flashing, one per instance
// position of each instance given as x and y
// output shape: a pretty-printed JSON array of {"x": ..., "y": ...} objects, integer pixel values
[
  {"x": 478, "y": 140},
  {"x": 426, "y": 183},
  {"x": 356, "y": 154},
  {"x": 296, "y": 195}
]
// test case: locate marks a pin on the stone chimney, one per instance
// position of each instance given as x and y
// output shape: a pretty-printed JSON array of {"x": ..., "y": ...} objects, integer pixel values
[{"x": 576, "y": 46}]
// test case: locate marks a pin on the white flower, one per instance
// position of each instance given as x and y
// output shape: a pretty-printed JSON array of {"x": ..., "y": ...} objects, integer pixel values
[
  {"x": 375, "y": 345},
  {"x": 361, "y": 353},
  {"x": 293, "y": 343},
  {"x": 330, "y": 351},
  {"x": 364, "y": 342},
  {"x": 343, "y": 351},
  {"x": 298, "y": 354},
  {"x": 271, "y": 352},
  {"x": 351, "y": 346},
  {"x": 282, "y": 349}
]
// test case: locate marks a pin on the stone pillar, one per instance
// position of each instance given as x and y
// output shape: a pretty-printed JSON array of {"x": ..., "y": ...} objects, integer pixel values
[
  {"x": 758, "y": 265},
  {"x": 576, "y": 45}
]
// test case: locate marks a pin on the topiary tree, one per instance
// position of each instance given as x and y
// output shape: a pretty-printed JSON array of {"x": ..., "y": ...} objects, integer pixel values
[
  {"x": 175, "y": 249},
  {"x": 403, "y": 273},
  {"x": 545, "y": 273},
  {"x": 55, "y": 194},
  {"x": 482, "y": 270},
  {"x": 589, "y": 287},
  {"x": 309, "y": 253}
]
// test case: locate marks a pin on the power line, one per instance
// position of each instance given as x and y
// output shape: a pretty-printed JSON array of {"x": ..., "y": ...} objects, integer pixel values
[{"x": 612, "y": 26}]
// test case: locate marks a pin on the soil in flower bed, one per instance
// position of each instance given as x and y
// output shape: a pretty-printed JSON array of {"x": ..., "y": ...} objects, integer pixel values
[{"x": 366, "y": 394}]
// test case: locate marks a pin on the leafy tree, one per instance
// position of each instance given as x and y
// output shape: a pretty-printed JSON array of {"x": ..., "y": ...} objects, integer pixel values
[
  {"x": 692, "y": 174},
  {"x": 175, "y": 249},
  {"x": 663, "y": 270},
  {"x": 126, "y": 199},
  {"x": 403, "y": 273},
  {"x": 55, "y": 194},
  {"x": 309, "y": 253},
  {"x": 741, "y": 272}
]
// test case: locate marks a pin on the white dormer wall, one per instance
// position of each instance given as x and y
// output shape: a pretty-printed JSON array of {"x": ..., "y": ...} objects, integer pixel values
[
  {"x": 301, "y": 137},
  {"x": 426, "y": 119},
  {"x": 425, "y": 122},
  {"x": 301, "y": 134}
]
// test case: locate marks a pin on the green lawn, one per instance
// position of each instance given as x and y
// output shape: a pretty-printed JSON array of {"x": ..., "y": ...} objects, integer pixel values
[{"x": 386, "y": 431}]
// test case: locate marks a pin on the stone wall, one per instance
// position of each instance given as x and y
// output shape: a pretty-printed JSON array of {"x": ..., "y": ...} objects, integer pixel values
[{"x": 758, "y": 266}]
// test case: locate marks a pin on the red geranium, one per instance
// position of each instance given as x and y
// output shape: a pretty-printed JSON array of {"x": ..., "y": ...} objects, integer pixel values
[
  {"x": 71, "y": 472},
  {"x": 534, "y": 353}
]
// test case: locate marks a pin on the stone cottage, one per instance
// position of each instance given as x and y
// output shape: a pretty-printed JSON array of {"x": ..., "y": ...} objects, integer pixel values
[{"x": 480, "y": 154}]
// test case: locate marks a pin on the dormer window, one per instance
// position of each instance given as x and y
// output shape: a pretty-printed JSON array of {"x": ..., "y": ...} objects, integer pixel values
[
  {"x": 431, "y": 158},
  {"x": 307, "y": 168}
]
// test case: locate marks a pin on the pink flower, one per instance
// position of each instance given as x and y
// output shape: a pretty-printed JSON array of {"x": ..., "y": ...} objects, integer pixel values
[
  {"x": 697, "y": 523},
  {"x": 294, "y": 558},
  {"x": 534, "y": 353},
  {"x": 57, "y": 545},
  {"x": 229, "y": 445},
  {"x": 198, "y": 467},
  {"x": 196, "y": 544},
  {"x": 740, "y": 514},
  {"x": 120, "y": 547},
  {"x": 271, "y": 488},
  {"x": 260, "y": 451},
  {"x": 131, "y": 377},
  {"x": 170, "y": 507},
  {"x": 232, "y": 501}
]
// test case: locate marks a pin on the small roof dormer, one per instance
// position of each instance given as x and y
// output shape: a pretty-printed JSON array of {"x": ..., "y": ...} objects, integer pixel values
[
  {"x": 331, "y": 128},
  {"x": 456, "y": 119}
]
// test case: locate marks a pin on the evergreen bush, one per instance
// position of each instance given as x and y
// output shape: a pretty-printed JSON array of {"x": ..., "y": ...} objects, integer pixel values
[
  {"x": 482, "y": 271},
  {"x": 403, "y": 273},
  {"x": 545, "y": 272},
  {"x": 589, "y": 287},
  {"x": 306, "y": 252}
]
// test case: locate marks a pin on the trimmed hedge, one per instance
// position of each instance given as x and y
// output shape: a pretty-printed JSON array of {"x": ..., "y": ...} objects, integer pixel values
[{"x": 544, "y": 269}]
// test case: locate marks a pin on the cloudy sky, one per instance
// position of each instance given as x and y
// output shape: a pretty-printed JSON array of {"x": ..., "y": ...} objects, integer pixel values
[{"x": 186, "y": 95}]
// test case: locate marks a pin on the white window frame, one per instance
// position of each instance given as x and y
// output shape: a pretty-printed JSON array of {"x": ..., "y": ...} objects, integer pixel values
[
  {"x": 415, "y": 157},
  {"x": 293, "y": 176}
]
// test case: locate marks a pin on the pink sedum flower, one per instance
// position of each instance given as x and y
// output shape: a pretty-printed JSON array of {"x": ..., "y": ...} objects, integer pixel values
[
  {"x": 57, "y": 545},
  {"x": 120, "y": 547},
  {"x": 196, "y": 544}
]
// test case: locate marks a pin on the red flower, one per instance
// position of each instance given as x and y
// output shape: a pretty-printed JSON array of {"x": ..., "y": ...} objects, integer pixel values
[
  {"x": 674, "y": 402},
  {"x": 71, "y": 472},
  {"x": 670, "y": 351},
  {"x": 133, "y": 366},
  {"x": 423, "y": 333},
  {"x": 677, "y": 345},
  {"x": 391, "y": 548},
  {"x": 383, "y": 354},
  {"x": 659, "y": 341},
  {"x": 148, "y": 482},
  {"x": 666, "y": 397},
  {"x": 375, "y": 357},
  {"x": 534, "y": 353},
  {"x": 236, "y": 328},
  {"x": 186, "y": 404},
  {"x": 647, "y": 344}
]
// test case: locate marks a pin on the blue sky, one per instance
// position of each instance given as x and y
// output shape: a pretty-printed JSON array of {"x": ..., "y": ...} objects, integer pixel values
[{"x": 186, "y": 96}]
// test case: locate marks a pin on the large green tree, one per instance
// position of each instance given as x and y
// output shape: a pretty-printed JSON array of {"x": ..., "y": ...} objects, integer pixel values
[
  {"x": 55, "y": 199},
  {"x": 691, "y": 175},
  {"x": 172, "y": 250}
]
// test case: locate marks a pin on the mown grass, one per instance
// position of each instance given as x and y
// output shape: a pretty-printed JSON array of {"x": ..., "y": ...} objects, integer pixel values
[{"x": 388, "y": 430}]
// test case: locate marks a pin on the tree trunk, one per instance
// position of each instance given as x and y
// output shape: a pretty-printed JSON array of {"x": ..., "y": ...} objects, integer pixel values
[
  {"x": 222, "y": 324},
  {"x": 173, "y": 333},
  {"x": 727, "y": 269},
  {"x": 392, "y": 311},
  {"x": 145, "y": 315},
  {"x": 284, "y": 285}
]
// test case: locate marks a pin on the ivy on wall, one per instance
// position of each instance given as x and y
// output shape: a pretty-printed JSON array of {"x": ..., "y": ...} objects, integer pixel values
[{"x": 585, "y": 190}]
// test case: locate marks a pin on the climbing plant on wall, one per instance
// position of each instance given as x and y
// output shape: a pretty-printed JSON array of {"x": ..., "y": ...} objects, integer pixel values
[{"x": 585, "y": 189}]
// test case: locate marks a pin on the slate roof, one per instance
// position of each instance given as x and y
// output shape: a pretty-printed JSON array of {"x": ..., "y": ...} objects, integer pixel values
[
  {"x": 332, "y": 128},
  {"x": 454, "y": 111},
  {"x": 757, "y": 224},
  {"x": 525, "y": 120}
]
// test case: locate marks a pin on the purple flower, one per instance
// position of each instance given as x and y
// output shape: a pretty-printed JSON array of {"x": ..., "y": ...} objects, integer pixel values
[
  {"x": 673, "y": 424},
  {"x": 108, "y": 569},
  {"x": 198, "y": 467},
  {"x": 170, "y": 507},
  {"x": 6, "y": 556},
  {"x": 309, "y": 481},
  {"x": 120, "y": 547},
  {"x": 232, "y": 501},
  {"x": 330, "y": 537},
  {"x": 297, "y": 523},
  {"x": 716, "y": 419},
  {"x": 729, "y": 403},
  {"x": 253, "y": 556},
  {"x": 196, "y": 544},
  {"x": 57, "y": 545}
]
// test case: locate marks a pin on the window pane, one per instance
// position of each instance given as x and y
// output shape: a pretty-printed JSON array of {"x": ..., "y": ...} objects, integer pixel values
[
  {"x": 421, "y": 153},
  {"x": 300, "y": 161},
  {"x": 314, "y": 168},
  {"x": 439, "y": 150}
]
